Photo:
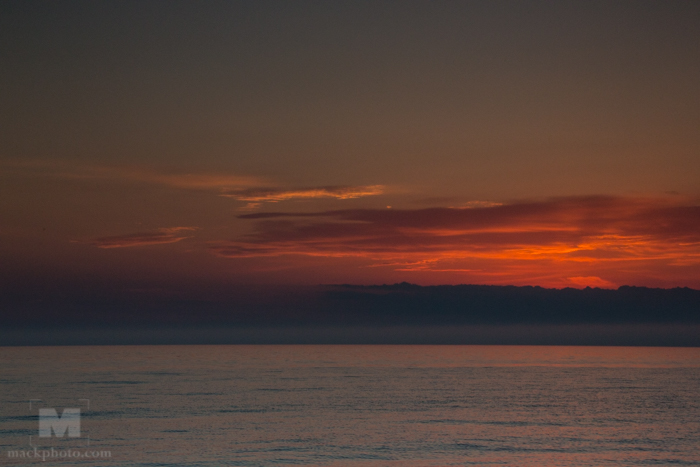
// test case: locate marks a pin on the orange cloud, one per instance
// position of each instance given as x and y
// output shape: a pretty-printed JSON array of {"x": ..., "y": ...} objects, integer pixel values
[
  {"x": 566, "y": 237},
  {"x": 257, "y": 195},
  {"x": 161, "y": 236}
]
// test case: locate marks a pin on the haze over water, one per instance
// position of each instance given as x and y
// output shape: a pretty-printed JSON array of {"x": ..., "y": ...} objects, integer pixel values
[{"x": 361, "y": 405}]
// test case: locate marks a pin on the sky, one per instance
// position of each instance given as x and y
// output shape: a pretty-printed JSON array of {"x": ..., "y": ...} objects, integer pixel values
[{"x": 162, "y": 145}]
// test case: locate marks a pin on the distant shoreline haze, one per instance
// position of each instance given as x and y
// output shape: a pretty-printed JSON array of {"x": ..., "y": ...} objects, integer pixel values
[{"x": 354, "y": 314}]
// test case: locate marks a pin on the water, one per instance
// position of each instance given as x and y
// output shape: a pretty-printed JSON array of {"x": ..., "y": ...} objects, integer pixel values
[{"x": 357, "y": 405}]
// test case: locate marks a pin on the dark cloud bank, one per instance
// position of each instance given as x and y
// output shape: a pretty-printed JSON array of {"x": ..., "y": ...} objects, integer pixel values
[{"x": 391, "y": 314}]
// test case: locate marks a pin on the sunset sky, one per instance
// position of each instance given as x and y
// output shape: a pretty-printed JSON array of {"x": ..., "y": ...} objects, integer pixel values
[{"x": 183, "y": 144}]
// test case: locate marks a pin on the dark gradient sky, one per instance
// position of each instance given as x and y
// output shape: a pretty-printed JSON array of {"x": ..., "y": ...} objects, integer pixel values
[{"x": 167, "y": 143}]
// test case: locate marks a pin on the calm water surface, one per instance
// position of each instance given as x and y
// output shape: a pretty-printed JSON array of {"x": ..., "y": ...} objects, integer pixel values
[{"x": 357, "y": 405}]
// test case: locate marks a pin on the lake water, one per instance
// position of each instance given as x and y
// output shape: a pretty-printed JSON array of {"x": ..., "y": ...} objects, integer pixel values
[{"x": 354, "y": 405}]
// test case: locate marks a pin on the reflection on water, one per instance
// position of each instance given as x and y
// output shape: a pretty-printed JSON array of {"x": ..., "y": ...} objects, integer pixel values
[{"x": 360, "y": 405}]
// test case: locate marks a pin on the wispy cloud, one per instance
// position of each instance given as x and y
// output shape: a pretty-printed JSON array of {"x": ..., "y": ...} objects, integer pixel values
[
  {"x": 248, "y": 189},
  {"x": 480, "y": 204},
  {"x": 259, "y": 195},
  {"x": 157, "y": 237},
  {"x": 578, "y": 232},
  {"x": 141, "y": 174}
]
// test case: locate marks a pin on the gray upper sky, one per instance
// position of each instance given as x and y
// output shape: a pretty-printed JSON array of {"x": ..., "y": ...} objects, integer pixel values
[{"x": 477, "y": 99}]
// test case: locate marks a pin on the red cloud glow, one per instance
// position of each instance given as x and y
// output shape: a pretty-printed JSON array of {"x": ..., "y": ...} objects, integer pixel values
[{"x": 585, "y": 239}]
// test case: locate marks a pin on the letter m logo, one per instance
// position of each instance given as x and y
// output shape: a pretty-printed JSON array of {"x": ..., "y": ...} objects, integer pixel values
[{"x": 69, "y": 421}]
